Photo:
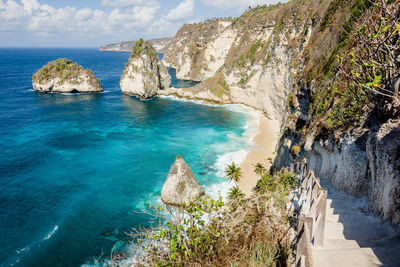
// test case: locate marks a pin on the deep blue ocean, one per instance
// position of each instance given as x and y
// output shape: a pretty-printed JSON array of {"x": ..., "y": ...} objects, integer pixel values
[{"x": 75, "y": 168}]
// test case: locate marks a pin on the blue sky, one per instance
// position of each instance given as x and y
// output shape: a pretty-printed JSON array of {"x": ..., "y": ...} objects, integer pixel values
[{"x": 90, "y": 23}]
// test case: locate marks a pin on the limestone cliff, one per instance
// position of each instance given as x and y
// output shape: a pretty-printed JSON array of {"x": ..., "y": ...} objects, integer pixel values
[
  {"x": 304, "y": 63},
  {"x": 251, "y": 59},
  {"x": 339, "y": 120},
  {"x": 144, "y": 73},
  {"x": 64, "y": 76},
  {"x": 181, "y": 185}
]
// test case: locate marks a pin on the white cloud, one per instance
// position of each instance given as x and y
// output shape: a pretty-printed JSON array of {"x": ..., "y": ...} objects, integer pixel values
[
  {"x": 240, "y": 4},
  {"x": 29, "y": 15},
  {"x": 126, "y": 3},
  {"x": 183, "y": 10}
]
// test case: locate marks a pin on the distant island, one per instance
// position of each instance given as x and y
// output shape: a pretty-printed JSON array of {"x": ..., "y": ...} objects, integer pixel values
[{"x": 159, "y": 45}]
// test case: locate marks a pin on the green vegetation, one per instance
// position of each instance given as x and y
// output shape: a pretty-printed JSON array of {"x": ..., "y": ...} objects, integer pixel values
[
  {"x": 251, "y": 54},
  {"x": 141, "y": 47},
  {"x": 296, "y": 150},
  {"x": 205, "y": 232},
  {"x": 277, "y": 186},
  {"x": 65, "y": 70},
  {"x": 235, "y": 193},
  {"x": 259, "y": 169},
  {"x": 233, "y": 173},
  {"x": 224, "y": 88}
]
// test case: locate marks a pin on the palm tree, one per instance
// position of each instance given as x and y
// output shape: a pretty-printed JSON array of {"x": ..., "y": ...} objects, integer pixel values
[
  {"x": 235, "y": 193},
  {"x": 232, "y": 172},
  {"x": 259, "y": 169}
]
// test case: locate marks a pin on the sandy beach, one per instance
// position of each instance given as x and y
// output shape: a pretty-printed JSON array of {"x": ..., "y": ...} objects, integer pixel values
[{"x": 266, "y": 141}]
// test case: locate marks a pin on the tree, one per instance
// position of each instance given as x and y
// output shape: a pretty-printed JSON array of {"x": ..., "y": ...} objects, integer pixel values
[
  {"x": 259, "y": 169},
  {"x": 233, "y": 173},
  {"x": 235, "y": 193},
  {"x": 373, "y": 63}
]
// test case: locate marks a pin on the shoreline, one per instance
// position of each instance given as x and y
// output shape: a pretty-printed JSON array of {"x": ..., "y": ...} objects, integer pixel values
[{"x": 266, "y": 140}]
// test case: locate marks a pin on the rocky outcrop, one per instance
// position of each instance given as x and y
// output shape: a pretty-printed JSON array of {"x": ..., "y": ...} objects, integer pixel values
[
  {"x": 65, "y": 76},
  {"x": 181, "y": 185},
  {"x": 383, "y": 150},
  {"x": 159, "y": 45},
  {"x": 199, "y": 50},
  {"x": 345, "y": 164},
  {"x": 249, "y": 60},
  {"x": 144, "y": 73}
]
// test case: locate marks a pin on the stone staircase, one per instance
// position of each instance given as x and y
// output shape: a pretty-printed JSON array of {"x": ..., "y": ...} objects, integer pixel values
[{"x": 353, "y": 236}]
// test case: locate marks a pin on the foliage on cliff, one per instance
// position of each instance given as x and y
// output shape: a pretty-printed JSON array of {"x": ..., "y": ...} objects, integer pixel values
[
  {"x": 143, "y": 47},
  {"x": 351, "y": 67},
  {"x": 251, "y": 231},
  {"x": 66, "y": 71}
]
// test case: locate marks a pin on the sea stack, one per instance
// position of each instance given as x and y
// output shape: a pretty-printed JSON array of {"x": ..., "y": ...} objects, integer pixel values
[
  {"x": 65, "y": 76},
  {"x": 144, "y": 73},
  {"x": 181, "y": 185}
]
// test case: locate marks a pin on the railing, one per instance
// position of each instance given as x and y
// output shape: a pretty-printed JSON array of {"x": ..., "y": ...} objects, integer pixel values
[{"x": 311, "y": 222}]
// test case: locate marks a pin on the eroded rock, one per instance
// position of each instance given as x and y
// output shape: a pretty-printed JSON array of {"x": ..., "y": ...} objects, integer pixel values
[
  {"x": 144, "y": 73},
  {"x": 64, "y": 76},
  {"x": 383, "y": 149},
  {"x": 181, "y": 185}
]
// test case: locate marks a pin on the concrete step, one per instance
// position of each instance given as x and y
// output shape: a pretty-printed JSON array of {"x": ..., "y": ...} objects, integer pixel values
[
  {"x": 389, "y": 256},
  {"x": 357, "y": 227},
  {"x": 345, "y": 257},
  {"x": 334, "y": 230},
  {"x": 338, "y": 244}
]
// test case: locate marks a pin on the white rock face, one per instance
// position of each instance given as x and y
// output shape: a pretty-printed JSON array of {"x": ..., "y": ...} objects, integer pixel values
[
  {"x": 181, "y": 185},
  {"x": 64, "y": 76},
  {"x": 56, "y": 86},
  {"x": 345, "y": 167},
  {"x": 199, "y": 50},
  {"x": 253, "y": 62},
  {"x": 144, "y": 73},
  {"x": 383, "y": 149}
]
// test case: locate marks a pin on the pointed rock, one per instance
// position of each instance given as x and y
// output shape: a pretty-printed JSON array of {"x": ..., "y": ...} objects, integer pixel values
[
  {"x": 144, "y": 73},
  {"x": 181, "y": 185}
]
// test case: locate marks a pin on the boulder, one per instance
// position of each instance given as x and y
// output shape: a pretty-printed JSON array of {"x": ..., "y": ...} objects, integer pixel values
[
  {"x": 144, "y": 73},
  {"x": 64, "y": 76},
  {"x": 181, "y": 185}
]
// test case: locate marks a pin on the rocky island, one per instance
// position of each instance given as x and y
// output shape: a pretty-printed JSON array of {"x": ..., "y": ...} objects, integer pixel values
[
  {"x": 181, "y": 185},
  {"x": 65, "y": 76},
  {"x": 144, "y": 74}
]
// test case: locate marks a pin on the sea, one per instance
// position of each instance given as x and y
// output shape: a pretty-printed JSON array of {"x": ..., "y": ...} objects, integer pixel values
[{"x": 77, "y": 169}]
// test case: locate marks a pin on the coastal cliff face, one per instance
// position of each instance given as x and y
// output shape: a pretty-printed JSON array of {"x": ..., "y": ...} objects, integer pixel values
[
  {"x": 144, "y": 73},
  {"x": 343, "y": 127},
  {"x": 251, "y": 59},
  {"x": 199, "y": 50},
  {"x": 64, "y": 76},
  {"x": 294, "y": 62}
]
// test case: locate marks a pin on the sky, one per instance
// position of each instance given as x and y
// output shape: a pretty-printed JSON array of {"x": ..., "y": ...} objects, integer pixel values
[{"x": 91, "y": 23}]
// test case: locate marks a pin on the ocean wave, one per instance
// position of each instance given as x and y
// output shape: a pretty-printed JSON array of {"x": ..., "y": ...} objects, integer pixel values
[{"x": 51, "y": 233}]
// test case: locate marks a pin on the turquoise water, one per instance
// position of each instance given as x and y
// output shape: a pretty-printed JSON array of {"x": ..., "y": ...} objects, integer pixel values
[{"x": 74, "y": 168}]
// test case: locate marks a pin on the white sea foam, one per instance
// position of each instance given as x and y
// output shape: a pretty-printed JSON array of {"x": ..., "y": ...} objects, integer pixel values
[
  {"x": 244, "y": 144},
  {"x": 49, "y": 235},
  {"x": 200, "y": 102}
]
